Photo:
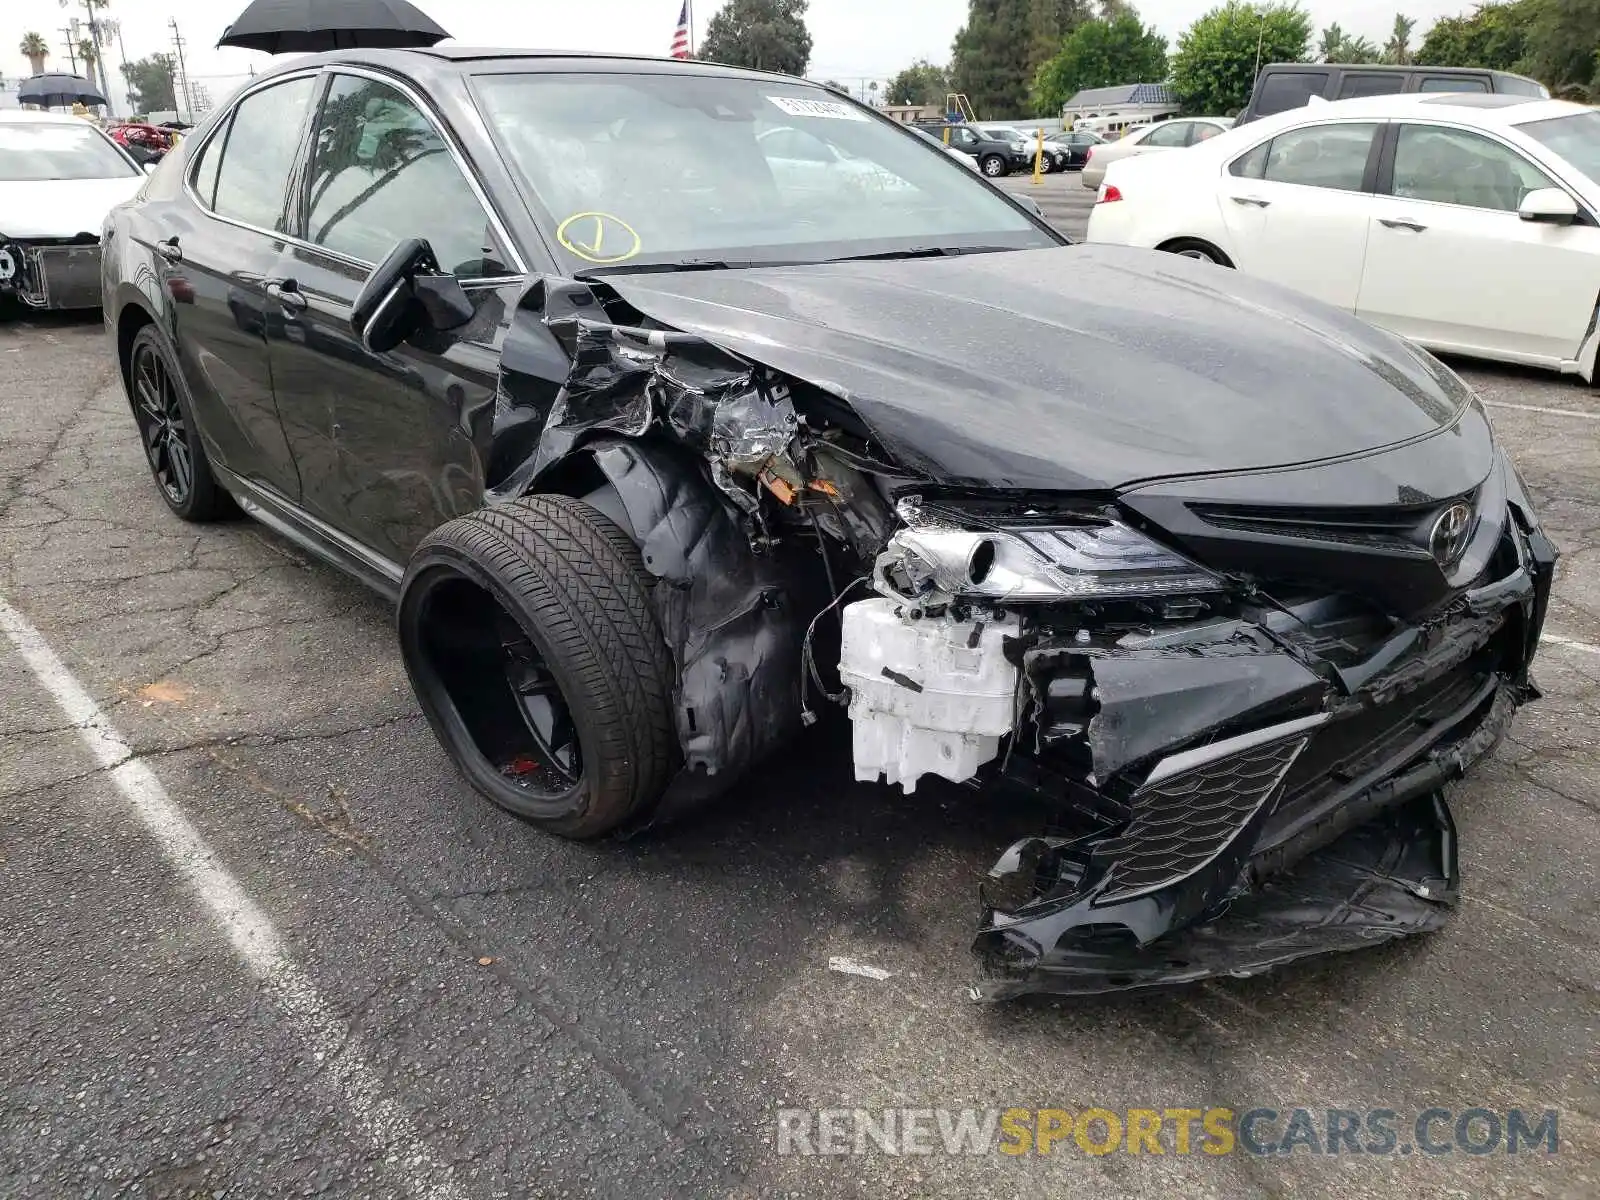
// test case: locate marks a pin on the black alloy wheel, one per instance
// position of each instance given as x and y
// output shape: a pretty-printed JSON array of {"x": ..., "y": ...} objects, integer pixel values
[
  {"x": 168, "y": 434},
  {"x": 530, "y": 635}
]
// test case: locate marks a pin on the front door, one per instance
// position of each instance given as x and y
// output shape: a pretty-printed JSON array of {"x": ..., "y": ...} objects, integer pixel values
[
  {"x": 388, "y": 445},
  {"x": 1453, "y": 266}
]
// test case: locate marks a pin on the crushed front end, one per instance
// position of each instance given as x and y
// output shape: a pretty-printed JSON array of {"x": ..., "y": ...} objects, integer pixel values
[
  {"x": 51, "y": 273},
  {"x": 1248, "y": 769},
  {"x": 1240, "y": 693}
]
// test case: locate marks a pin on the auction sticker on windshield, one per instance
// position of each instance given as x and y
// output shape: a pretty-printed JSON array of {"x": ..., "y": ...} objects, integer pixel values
[{"x": 832, "y": 109}]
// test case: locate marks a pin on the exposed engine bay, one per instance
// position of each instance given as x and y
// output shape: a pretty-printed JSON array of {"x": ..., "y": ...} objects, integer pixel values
[
  {"x": 1245, "y": 755},
  {"x": 57, "y": 273}
]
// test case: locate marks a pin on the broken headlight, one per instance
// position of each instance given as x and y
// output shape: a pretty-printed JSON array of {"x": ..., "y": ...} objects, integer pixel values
[{"x": 1102, "y": 561}]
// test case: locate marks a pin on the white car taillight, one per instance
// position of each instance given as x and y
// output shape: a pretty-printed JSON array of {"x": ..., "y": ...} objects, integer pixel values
[{"x": 1109, "y": 194}]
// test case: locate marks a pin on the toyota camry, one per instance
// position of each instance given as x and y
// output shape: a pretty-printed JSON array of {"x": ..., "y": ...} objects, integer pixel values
[{"x": 665, "y": 447}]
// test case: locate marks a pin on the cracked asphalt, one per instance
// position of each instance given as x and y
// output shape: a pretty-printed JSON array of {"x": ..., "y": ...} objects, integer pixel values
[{"x": 625, "y": 1018}]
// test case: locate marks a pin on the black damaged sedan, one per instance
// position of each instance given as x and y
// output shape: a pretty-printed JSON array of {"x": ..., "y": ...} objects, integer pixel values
[{"x": 676, "y": 405}]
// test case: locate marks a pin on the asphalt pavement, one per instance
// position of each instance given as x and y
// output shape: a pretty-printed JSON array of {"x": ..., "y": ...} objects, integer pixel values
[{"x": 258, "y": 939}]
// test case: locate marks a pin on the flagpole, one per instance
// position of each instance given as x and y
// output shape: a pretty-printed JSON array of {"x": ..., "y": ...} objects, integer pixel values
[{"x": 690, "y": 3}]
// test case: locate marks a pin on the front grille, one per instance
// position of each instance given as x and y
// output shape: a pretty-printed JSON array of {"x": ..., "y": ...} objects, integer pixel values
[
  {"x": 1389, "y": 527},
  {"x": 1184, "y": 822}
]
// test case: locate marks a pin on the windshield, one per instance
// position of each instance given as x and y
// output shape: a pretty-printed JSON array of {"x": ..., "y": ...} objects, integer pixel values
[
  {"x": 1575, "y": 138},
  {"x": 643, "y": 169},
  {"x": 34, "y": 151}
]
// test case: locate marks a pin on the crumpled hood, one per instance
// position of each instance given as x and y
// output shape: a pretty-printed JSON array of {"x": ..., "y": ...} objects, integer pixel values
[
  {"x": 61, "y": 208},
  {"x": 1081, "y": 367}
]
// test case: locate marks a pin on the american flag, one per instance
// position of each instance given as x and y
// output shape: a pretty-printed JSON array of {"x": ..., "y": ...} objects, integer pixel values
[{"x": 680, "y": 39}]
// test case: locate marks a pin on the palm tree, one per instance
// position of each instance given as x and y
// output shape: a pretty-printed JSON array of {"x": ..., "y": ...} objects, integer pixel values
[
  {"x": 87, "y": 55},
  {"x": 1332, "y": 44},
  {"x": 35, "y": 50},
  {"x": 1398, "y": 49}
]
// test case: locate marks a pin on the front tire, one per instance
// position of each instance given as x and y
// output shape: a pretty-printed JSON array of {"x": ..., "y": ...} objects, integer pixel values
[
  {"x": 167, "y": 431},
  {"x": 531, "y": 641},
  {"x": 993, "y": 166}
]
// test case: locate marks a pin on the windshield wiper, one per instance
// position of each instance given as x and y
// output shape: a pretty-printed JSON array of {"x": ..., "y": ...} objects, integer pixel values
[
  {"x": 693, "y": 264},
  {"x": 923, "y": 252}
]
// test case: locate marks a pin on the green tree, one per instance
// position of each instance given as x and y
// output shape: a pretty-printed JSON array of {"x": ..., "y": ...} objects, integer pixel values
[
  {"x": 766, "y": 35},
  {"x": 150, "y": 86},
  {"x": 987, "y": 61},
  {"x": 1100, "y": 53},
  {"x": 1563, "y": 47},
  {"x": 1214, "y": 68},
  {"x": 1338, "y": 46},
  {"x": 87, "y": 57},
  {"x": 35, "y": 49},
  {"x": 1495, "y": 36},
  {"x": 920, "y": 83},
  {"x": 1398, "y": 48}
]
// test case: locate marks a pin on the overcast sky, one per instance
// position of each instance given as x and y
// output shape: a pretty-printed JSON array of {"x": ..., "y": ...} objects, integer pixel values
[{"x": 851, "y": 38}]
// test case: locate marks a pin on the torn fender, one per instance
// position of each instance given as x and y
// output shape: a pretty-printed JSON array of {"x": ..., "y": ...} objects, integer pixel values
[{"x": 733, "y": 618}]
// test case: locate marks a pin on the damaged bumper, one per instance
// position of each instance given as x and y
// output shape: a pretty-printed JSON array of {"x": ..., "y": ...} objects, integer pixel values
[
  {"x": 51, "y": 274},
  {"x": 1303, "y": 813}
]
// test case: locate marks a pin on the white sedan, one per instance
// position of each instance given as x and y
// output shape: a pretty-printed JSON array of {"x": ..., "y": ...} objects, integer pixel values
[
  {"x": 1469, "y": 223},
  {"x": 1163, "y": 135}
]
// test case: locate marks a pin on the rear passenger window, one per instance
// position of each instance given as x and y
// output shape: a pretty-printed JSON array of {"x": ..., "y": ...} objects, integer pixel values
[
  {"x": 1371, "y": 83},
  {"x": 257, "y": 154},
  {"x": 1288, "y": 89},
  {"x": 1452, "y": 83},
  {"x": 1325, "y": 156}
]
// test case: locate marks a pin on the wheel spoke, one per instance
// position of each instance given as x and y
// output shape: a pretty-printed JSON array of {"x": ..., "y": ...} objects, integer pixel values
[
  {"x": 182, "y": 471},
  {"x": 149, "y": 399}
]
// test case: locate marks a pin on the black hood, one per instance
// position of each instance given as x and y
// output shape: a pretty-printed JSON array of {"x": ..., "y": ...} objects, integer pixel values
[{"x": 1081, "y": 367}]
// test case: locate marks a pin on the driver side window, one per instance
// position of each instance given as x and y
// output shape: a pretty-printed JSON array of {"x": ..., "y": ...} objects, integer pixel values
[{"x": 381, "y": 172}]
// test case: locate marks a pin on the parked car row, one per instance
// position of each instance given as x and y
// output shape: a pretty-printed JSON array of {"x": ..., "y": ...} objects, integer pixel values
[
  {"x": 1470, "y": 223},
  {"x": 998, "y": 150}
]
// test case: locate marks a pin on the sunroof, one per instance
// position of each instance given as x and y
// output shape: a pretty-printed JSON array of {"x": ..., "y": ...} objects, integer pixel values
[{"x": 1479, "y": 99}]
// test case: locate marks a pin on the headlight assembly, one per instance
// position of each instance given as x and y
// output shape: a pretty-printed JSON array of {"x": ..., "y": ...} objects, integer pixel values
[{"x": 1036, "y": 563}]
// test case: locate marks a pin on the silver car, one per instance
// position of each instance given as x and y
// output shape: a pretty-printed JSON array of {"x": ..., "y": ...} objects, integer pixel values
[{"x": 1163, "y": 135}]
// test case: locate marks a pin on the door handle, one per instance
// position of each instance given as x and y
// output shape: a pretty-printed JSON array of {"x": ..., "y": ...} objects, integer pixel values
[
  {"x": 170, "y": 250},
  {"x": 1401, "y": 223},
  {"x": 1255, "y": 200},
  {"x": 288, "y": 294}
]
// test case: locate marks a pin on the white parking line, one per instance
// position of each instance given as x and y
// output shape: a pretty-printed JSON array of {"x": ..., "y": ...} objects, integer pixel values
[
  {"x": 1553, "y": 639},
  {"x": 1539, "y": 408},
  {"x": 253, "y": 936}
]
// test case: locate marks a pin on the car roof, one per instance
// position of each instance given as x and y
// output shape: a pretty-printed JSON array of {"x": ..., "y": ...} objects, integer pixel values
[
  {"x": 1468, "y": 108},
  {"x": 429, "y": 61}
]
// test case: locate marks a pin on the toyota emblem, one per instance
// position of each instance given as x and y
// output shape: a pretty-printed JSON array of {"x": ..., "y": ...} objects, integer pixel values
[{"x": 1450, "y": 534}]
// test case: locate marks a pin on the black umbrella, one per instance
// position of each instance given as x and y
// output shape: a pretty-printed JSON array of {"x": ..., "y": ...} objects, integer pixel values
[
  {"x": 58, "y": 89},
  {"x": 307, "y": 26}
]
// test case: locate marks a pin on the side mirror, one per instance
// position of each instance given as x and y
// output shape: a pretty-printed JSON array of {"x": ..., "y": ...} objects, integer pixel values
[
  {"x": 406, "y": 292},
  {"x": 1549, "y": 205}
]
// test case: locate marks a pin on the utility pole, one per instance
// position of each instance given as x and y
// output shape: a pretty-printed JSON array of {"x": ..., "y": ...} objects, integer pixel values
[
  {"x": 181, "y": 98},
  {"x": 68, "y": 32}
]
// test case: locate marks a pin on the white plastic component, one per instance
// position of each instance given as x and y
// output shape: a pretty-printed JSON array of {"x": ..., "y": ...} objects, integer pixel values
[{"x": 966, "y": 702}]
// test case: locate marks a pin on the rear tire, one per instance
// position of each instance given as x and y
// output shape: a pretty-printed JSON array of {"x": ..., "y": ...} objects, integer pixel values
[
  {"x": 993, "y": 166},
  {"x": 532, "y": 645},
  {"x": 1197, "y": 250},
  {"x": 167, "y": 432}
]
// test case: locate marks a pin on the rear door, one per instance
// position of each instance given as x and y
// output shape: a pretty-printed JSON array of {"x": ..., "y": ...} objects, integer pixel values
[
  {"x": 1452, "y": 265},
  {"x": 1298, "y": 208},
  {"x": 387, "y": 444},
  {"x": 221, "y": 245}
]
